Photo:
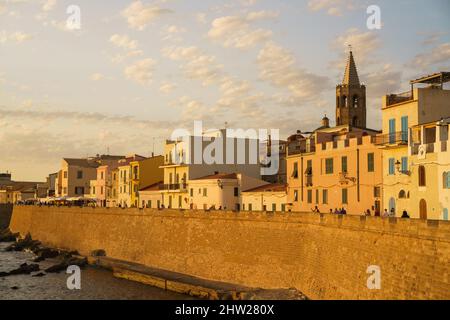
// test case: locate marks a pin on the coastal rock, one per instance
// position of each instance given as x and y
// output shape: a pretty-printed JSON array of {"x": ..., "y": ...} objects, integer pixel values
[
  {"x": 7, "y": 236},
  {"x": 45, "y": 253},
  {"x": 98, "y": 253},
  {"x": 24, "y": 268},
  {"x": 23, "y": 244},
  {"x": 68, "y": 261}
]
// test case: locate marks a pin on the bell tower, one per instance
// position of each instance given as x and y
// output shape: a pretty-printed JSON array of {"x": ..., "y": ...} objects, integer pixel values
[{"x": 351, "y": 97}]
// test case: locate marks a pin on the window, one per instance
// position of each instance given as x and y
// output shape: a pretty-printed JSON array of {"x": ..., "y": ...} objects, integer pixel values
[
  {"x": 422, "y": 177},
  {"x": 309, "y": 196},
  {"x": 93, "y": 190},
  {"x": 355, "y": 102},
  {"x": 180, "y": 201},
  {"x": 158, "y": 203},
  {"x": 391, "y": 130},
  {"x": 65, "y": 174},
  {"x": 370, "y": 162},
  {"x": 236, "y": 192},
  {"x": 283, "y": 207},
  {"x": 170, "y": 178},
  {"x": 344, "y": 196},
  {"x": 295, "y": 195},
  {"x": 80, "y": 190},
  {"x": 391, "y": 166},
  {"x": 405, "y": 128},
  {"x": 404, "y": 164},
  {"x": 192, "y": 192},
  {"x": 325, "y": 196},
  {"x": 101, "y": 175},
  {"x": 317, "y": 196},
  {"x": 377, "y": 192},
  {"x": 250, "y": 207},
  {"x": 79, "y": 174},
  {"x": 446, "y": 180},
  {"x": 101, "y": 190},
  {"x": 329, "y": 166},
  {"x": 295, "y": 171},
  {"x": 344, "y": 164},
  {"x": 243, "y": 207},
  {"x": 274, "y": 207},
  {"x": 205, "y": 192},
  {"x": 402, "y": 194}
]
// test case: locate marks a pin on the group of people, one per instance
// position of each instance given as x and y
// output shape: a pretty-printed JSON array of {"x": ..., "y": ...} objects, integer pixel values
[{"x": 367, "y": 213}]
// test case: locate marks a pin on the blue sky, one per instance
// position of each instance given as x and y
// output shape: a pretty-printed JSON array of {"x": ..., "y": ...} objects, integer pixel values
[{"x": 136, "y": 70}]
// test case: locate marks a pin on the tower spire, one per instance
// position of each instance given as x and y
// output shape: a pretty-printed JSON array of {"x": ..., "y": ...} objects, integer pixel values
[{"x": 351, "y": 73}]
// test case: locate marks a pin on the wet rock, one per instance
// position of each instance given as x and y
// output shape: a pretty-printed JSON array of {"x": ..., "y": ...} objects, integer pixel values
[
  {"x": 98, "y": 253},
  {"x": 45, "y": 253},
  {"x": 7, "y": 236},
  {"x": 40, "y": 274},
  {"x": 25, "y": 269},
  {"x": 26, "y": 243},
  {"x": 68, "y": 261},
  {"x": 15, "y": 288}
]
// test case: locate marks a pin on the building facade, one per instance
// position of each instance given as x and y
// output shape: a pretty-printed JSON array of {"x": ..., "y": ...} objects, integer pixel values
[
  {"x": 271, "y": 197},
  {"x": 403, "y": 115}
]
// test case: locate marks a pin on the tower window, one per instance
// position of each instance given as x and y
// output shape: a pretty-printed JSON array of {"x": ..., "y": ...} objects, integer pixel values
[
  {"x": 345, "y": 101},
  {"x": 355, "y": 102}
]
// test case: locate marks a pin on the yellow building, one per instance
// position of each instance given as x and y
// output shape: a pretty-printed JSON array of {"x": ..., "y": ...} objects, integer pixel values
[
  {"x": 144, "y": 173},
  {"x": 150, "y": 196},
  {"x": 220, "y": 191},
  {"x": 337, "y": 167},
  {"x": 401, "y": 113},
  {"x": 271, "y": 197},
  {"x": 181, "y": 164},
  {"x": 124, "y": 179}
]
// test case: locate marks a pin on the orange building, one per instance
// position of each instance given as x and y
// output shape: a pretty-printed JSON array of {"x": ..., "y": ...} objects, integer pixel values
[{"x": 337, "y": 167}]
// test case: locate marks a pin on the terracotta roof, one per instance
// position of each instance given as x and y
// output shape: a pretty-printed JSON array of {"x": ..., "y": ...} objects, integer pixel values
[
  {"x": 219, "y": 176},
  {"x": 81, "y": 163},
  {"x": 275, "y": 187},
  {"x": 152, "y": 187}
]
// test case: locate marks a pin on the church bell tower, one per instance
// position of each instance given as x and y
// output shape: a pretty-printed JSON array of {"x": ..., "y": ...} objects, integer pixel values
[{"x": 351, "y": 98}]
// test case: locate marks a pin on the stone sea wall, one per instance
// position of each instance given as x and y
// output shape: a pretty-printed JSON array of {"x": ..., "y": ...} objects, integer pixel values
[
  {"x": 5, "y": 215},
  {"x": 324, "y": 256}
]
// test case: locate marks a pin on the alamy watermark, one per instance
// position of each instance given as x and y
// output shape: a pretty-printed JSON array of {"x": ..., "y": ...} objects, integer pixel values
[
  {"x": 73, "y": 22},
  {"x": 74, "y": 280},
  {"x": 374, "y": 279},
  {"x": 226, "y": 146},
  {"x": 374, "y": 19}
]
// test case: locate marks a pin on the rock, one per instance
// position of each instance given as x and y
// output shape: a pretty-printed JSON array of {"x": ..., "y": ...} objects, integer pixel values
[
  {"x": 15, "y": 288},
  {"x": 7, "y": 236},
  {"x": 69, "y": 261},
  {"x": 40, "y": 274},
  {"x": 23, "y": 244},
  {"x": 45, "y": 253},
  {"x": 98, "y": 253},
  {"x": 57, "y": 268},
  {"x": 4, "y": 274},
  {"x": 25, "y": 269}
]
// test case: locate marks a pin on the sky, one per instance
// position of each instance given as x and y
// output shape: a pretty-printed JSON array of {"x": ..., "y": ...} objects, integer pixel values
[{"x": 137, "y": 70}]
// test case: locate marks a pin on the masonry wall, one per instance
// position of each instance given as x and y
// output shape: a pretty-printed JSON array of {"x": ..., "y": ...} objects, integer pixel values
[
  {"x": 324, "y": 256},
  {"x": 5, "y": 215}
]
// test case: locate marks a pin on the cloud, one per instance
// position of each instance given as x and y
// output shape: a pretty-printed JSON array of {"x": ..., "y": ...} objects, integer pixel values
[
  {"x": 17, "y": 37},
  {"x": 278, "y": 66},
  {"x": 49, "y": 5},
  {"x": 141, "y": 71},
  {"x": 140, "y": 15},
  {"x": 123, "y": 41},
  {"x": 236, "y": 31},
  {"x": 167, "y": 87},
  {"x": 440, "y": 54},
  {"x": 332, "y": 7},
  {"x": 198, "y": 65},
  {"x": 97, "y": 77}
]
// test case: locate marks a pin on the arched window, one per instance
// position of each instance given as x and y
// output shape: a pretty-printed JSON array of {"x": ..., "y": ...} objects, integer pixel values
[
  {"x": 355, "y": 102},
  {"x": 344, "y": 100},
  {"x": 422, "y": 177},
  {"x": 402, "y": 194},
  {"x": 423, "y": 209}
]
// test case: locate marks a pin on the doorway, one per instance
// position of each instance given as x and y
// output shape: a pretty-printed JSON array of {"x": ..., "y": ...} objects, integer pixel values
[{"x": 423, "y": 209}]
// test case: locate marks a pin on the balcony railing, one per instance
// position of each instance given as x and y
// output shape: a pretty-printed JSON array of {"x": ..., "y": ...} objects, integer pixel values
[
  {"x": 173, "y": 187},
  {"x": 395, "y": 138},
  {"x": 294, "y": 149},
  {"x": 399, "y": 98}
]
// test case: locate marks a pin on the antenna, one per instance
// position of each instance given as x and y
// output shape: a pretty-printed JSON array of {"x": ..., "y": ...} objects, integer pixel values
[{"x": 350, "y": 48}]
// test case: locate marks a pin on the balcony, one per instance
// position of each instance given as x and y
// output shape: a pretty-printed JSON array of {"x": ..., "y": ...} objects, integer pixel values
[
  {"x": 399, "y": 98},
  {"x": 392, "y": 139},
  {"x": 296, "y": 148},
  {"x": 173, "y": 187}
]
